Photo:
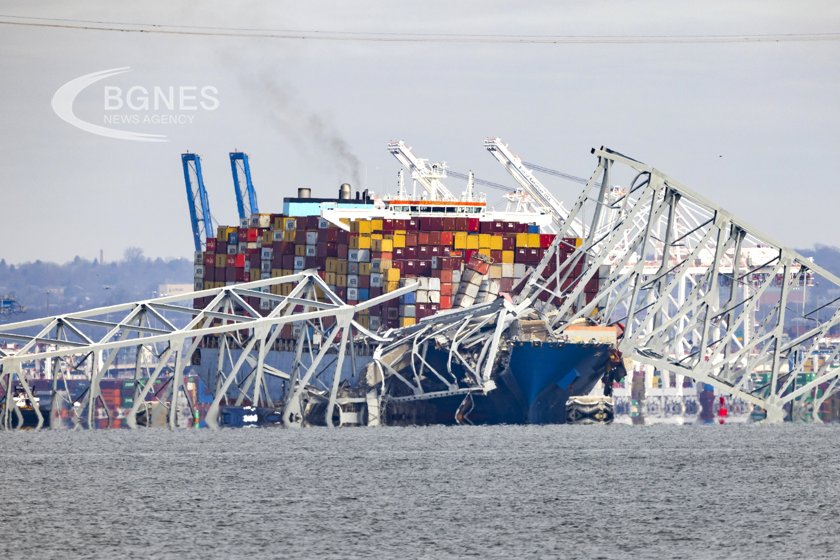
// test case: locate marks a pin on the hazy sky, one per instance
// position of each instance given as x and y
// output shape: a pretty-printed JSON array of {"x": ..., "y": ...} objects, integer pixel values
[{"x": 752, "y": 126}]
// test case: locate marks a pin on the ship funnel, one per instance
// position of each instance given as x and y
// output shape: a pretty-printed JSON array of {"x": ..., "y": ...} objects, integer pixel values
[
  {"x": 345, "y": 191},
  {"x": 304, "y": 192}
]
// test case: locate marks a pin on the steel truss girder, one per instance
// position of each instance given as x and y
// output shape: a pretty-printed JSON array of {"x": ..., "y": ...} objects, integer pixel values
[
  {"x": 172, "y": 328},
  {"x": 694, "y": 287}
]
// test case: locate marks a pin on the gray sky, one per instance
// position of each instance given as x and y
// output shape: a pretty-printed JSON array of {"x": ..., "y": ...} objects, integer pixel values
[{"x": 752, "y": 126}]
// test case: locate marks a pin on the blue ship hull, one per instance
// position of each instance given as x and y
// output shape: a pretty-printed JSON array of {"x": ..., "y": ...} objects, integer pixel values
[{"x": 532, "y": 388}]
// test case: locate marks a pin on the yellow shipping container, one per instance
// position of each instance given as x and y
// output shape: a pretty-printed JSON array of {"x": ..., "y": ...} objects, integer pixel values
[
  {"x": 507, "y": 257},
  {"x": 578, "y": 241},
  {"x": 522, "y": 240},
  {"x": 484, "y": 240},
  {"x": 377, "y": 236},
  {"x": 364, "y": 269},
  {"x": 221, "y": 261},
  {"x": 390, "y": 286},
  {"x": 485, "y": 252},
  {"x": 460, "y": 240},
  {"x": 376, "y": 225},
  {"x": 341, "y": 280},
  {"x": 267, "y": 237},
  {"x": 330, "y": 278},
  {"x": 289, "y": 235},
  {"x": 361, "y": 241},
  {"x": 275, "y": 272},
  {"x": 341, "y": 267},
  {"x": 275, "y": 289},
  {"x": 407, "y": 321},
  {"x": 399, "y": 240},
  {"x": 399, "y": 232},
  {"x": 363, "y": 225},
  {"x": 387, "y": 246},
  {"x": 391, "y": 274},
  {"x": 534, "y": 240},
  {"x": 364, "y": 321},
  {"x": 300, "y": 250},
  {"x": 472, "y": 242},
  {"x": 496, "y": 242}
]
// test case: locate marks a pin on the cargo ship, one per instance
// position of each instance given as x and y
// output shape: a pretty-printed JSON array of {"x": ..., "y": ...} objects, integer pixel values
[{"x": 459, "y": 251}]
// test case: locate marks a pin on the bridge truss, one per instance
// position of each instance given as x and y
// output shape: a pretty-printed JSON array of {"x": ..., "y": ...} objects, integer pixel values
[
  {"x": 244, "y": 321},
  {"x": 699, "y": 292}
]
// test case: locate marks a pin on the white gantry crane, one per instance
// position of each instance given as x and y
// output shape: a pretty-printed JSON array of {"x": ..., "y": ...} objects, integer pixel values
[
  {"x": 539, "y": 196},
  {"x": 428, "y": 175}
]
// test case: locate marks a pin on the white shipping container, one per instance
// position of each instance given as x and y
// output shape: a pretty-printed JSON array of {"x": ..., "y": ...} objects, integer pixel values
[
  {"x": 422, "y": 296},
  {"x": 266, "y": 253},
  {"x": 507, "y": 270},
  {"x": 199, "y": 285},
  {"x": 352, "y": 268},
  {"x": 300, "y": 263},
  {"x": 323, "y": 223},
  {"x": 231, "y": 249},
  {"x": 375, "y": 280},
  {"x": 198, "y": 258},
  {"x": 311, "y": 250},
  {"x": 434, "y": 284},
  {"x": 352, "y": 293},
  {"x": 456, "y": 276},
  {"x": 277, "y": 235},
  {"x": 424, "y": 283},
  {"x": 352, "y": 281},
  {"x": 408, "y": 311},
  {"x": 265, "y": 266},
  {"x": 311, "y": 237},
  {"x": 434, "y": 296},
  {"x": 199, "y": 271}
]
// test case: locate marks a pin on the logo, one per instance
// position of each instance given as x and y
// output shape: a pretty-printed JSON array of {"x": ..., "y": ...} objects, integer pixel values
[{"x": 137, "y": 105}]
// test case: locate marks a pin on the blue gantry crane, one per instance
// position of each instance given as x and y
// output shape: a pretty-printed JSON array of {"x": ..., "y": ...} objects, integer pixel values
[
  {"x": 199, "y": 204},
  {"x": 239, "y": 166}
]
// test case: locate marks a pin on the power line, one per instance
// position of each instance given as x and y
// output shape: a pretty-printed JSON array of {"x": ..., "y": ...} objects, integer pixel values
[{"x": 396, "y": 37}]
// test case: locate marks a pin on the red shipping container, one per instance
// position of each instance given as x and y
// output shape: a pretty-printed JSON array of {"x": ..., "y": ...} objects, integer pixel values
[
  {"x": 445, "y": 302},
  {"x": 486, "y": 227},
  {"x": 211, "y": 244},
  {"x": 388, "y": 225},
  {"x": 412, "y": 224},
  {"x": 221, "y": 247},
  {"x": 445, "y": 276},
  {"x": 327, "y": 235},
  {"x": 447, "y": 237},
  {"x": 449, "y": 225},
  {"x": 509, "y": 242},
  {"x": 230, "y": 261},
  {"x": 468, "y": 253},
  {"x": 209, "y": 260},
  {"x": 425, "y": 224},
  {"x": 445, "y": 289},
  {"x": 241, "y": 275},
  {"x": 423, "y": 238},
  {"x": 496, "y": 256},
  {"x": 545, "y": 240},
  {"x": 410, "y": 239},
  {"x": 399, "y": 253},
  {"x": 423, "y": 252},
  {"x": 239, "y": 261},
  {"x": 364, "y": 281},
  {"x": 411, "y": 252},
  {"x": 252, "y": 234},
  {"x": 473, "y": 224},
  {"x": 341, "y": 250},
  {"x": 434, "y": 238},
  {"x": 398, "y": 264},
  {"x": 506, "y": 284},
  {"x": 521, "y": 227}
]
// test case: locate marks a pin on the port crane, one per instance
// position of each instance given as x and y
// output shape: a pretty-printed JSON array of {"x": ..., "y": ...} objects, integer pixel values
[
  {"x": 428, "y": 175},
  {"x": 197, "y": 200},
  {"x": 243, "y": 188},
  {"x": 540, "y": 197}
]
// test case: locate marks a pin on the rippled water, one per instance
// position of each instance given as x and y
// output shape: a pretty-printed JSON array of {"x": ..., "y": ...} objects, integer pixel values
[{"x": 746, "y": 491}]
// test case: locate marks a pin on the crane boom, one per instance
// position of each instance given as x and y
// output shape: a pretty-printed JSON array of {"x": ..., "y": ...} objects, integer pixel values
[
  {"x": 197, "y": 200},
  {"x": 239, "y": 165},
  {"x": 541, "y": 197},
  {"x": 429, "y": 176}
]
